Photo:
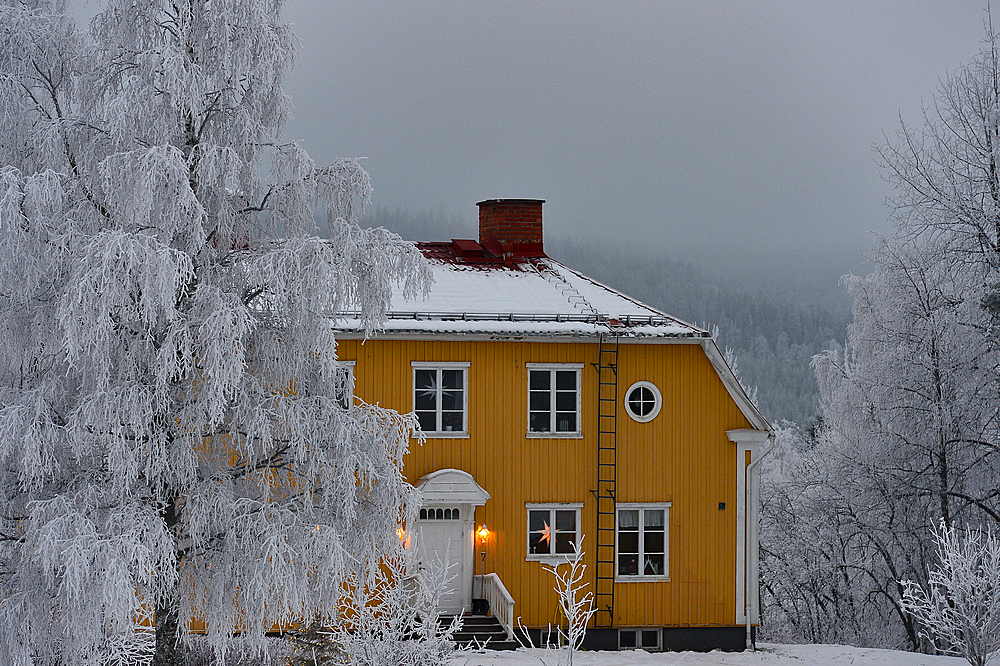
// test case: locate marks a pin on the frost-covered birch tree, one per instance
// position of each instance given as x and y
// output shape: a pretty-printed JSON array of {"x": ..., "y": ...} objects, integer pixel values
[
  {"x": 910, "y": 419},
  {"x": 174, "y": 439},
  {"x": 960, "y": 610},
  {"x": 915, "y": 390},
  {"x": 909, "y": 432},
  {"x": 836, "y": 534},
  {"x": 946, "y": 170}
]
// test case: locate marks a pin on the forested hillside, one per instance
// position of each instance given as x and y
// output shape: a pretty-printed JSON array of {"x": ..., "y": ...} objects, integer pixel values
[
  {"x": 856, "y": 510},
  {"x": 774, "y": 332}
]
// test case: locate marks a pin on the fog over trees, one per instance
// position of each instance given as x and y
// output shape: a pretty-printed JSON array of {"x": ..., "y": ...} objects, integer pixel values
[{"x": 909, "y": 409}]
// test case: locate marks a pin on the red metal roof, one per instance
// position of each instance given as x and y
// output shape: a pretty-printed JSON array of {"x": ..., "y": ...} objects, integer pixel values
[{"x": 470, "y": 253}]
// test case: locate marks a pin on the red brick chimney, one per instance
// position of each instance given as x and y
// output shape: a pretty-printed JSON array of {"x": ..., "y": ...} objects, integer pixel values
[{"x": 511, "y": 227}]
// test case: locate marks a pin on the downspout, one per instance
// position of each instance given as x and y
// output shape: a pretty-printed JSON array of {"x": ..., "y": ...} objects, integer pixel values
[{"x": 752, "y": 548}]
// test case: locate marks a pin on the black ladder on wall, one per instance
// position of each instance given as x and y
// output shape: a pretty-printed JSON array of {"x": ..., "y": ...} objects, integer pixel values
[{"x": 607, "y": 459}]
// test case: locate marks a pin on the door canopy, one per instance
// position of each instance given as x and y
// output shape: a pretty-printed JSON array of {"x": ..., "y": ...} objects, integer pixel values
[{"x": 451, "y": 486}]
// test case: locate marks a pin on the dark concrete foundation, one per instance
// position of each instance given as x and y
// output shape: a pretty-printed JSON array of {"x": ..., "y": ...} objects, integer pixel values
[
  {"x": 706, "y": 639},
  {"x": 676, "y": 639}
]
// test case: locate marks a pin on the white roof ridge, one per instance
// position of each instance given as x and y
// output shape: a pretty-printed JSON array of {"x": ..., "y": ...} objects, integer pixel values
[{"x": 626, "y": 297}]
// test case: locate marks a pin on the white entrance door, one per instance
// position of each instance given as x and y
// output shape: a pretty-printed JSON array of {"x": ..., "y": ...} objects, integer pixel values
[{"x": 441, "y": 542}]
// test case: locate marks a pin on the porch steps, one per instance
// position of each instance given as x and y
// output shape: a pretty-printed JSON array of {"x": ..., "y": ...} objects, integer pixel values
[{"x": 483, "y": 628}]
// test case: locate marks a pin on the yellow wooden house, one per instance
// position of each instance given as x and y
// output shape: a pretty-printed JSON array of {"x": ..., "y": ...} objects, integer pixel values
[{"x": 556, "y": 410}]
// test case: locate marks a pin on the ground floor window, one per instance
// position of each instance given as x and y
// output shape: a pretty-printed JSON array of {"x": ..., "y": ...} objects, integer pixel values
[
  {"x": 553, "y": 529},
  {"x": 642, "y": 535}
]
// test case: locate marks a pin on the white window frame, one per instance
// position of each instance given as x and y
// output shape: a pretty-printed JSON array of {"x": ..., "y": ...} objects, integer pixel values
[
  {"x": 640, "y": 577},
  {"x": 348, "y": 367},
  {"x": 553, "y": 367},
  {"x": 449, "y": 512},
  {"x": 444, "y": 365},
  {"x": 657, "y": 402},
  {"x": 550, "y": 557},
  {"x": 637, "y": 633}
]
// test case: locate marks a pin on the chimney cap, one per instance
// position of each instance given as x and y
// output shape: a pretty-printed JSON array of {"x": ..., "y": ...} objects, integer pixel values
[{"x": 491, "y": 201}]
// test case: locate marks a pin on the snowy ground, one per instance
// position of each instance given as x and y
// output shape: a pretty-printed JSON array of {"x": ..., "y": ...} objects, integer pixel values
[{"x": 767, "y": 655}]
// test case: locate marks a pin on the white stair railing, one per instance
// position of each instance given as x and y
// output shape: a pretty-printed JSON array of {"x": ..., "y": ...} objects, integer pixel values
[{"x": 501, "y": 603}]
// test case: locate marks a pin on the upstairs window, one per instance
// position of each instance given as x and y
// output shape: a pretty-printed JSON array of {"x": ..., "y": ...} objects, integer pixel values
[
  {"x": 642, "y": 540},
  {"x": 643, "y": 401},
  {"x": 440, "y": 398},
  {"x": 554, "y": 400}
]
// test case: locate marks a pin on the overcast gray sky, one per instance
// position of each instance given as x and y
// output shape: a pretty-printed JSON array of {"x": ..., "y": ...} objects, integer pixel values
[
  {"x": 727, "y": 134},
  {"x": 699, "y": 129}
]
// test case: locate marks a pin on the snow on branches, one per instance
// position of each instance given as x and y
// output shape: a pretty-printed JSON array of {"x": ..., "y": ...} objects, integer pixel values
[
  {"x": 173, "y": 435},
  {"x": 390, "y": 617},
  {"x": 960, "y": 610},
  {"x": 577, "y": 608},
  {"x": 909, "y": 411}
]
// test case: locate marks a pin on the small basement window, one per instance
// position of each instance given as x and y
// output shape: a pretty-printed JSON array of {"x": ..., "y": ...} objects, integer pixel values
[
  {"x": 647, "y": 639},
  {"x": 643, "y": 401}
]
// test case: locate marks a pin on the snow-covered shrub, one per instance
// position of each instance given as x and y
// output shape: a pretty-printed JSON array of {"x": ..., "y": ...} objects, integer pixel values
[
  {"x": 577, "y": 608},
  {"x": 960, "y": 611},
  {"x": 391, "y": 617}
]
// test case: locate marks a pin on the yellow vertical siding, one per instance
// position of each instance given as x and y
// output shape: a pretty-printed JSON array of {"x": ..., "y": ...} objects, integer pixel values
[{"x": 682, "y": 457}]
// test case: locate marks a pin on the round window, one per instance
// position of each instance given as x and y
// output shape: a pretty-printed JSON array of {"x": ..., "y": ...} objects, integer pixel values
[{"x": 643, "y": 401}]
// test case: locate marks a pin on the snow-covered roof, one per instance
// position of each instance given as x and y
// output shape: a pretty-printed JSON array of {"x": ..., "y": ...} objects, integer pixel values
[
  {"x": 519, "y": 297},
  {"x": 480, "y": 291}
]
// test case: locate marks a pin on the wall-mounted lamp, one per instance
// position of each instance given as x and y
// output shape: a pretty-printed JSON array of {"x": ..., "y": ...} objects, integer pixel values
[
  {"x": 483, "y": 533},
  {"x": 481, "y": 606}
]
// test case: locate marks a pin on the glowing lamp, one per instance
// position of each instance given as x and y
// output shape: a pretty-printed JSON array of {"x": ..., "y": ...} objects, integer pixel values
[{"x": 483, "y": 533}]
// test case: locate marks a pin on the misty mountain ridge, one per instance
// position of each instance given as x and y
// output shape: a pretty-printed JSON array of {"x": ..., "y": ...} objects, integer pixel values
[{"x": 775, "y": 322}]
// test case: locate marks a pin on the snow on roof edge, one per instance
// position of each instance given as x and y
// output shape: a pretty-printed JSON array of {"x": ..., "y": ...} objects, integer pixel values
[
  {"x": 625, "y": 296},
  {"x": 418, "y": 324}
]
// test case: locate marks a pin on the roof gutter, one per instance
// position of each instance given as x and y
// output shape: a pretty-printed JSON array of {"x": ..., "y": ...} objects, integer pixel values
[{"x": 751, "y": 539}]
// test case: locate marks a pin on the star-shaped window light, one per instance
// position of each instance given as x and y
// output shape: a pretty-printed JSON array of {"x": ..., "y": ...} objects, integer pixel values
[
  {"x": 431, "y": 390},
  {"x": 545, "y": 534}
]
